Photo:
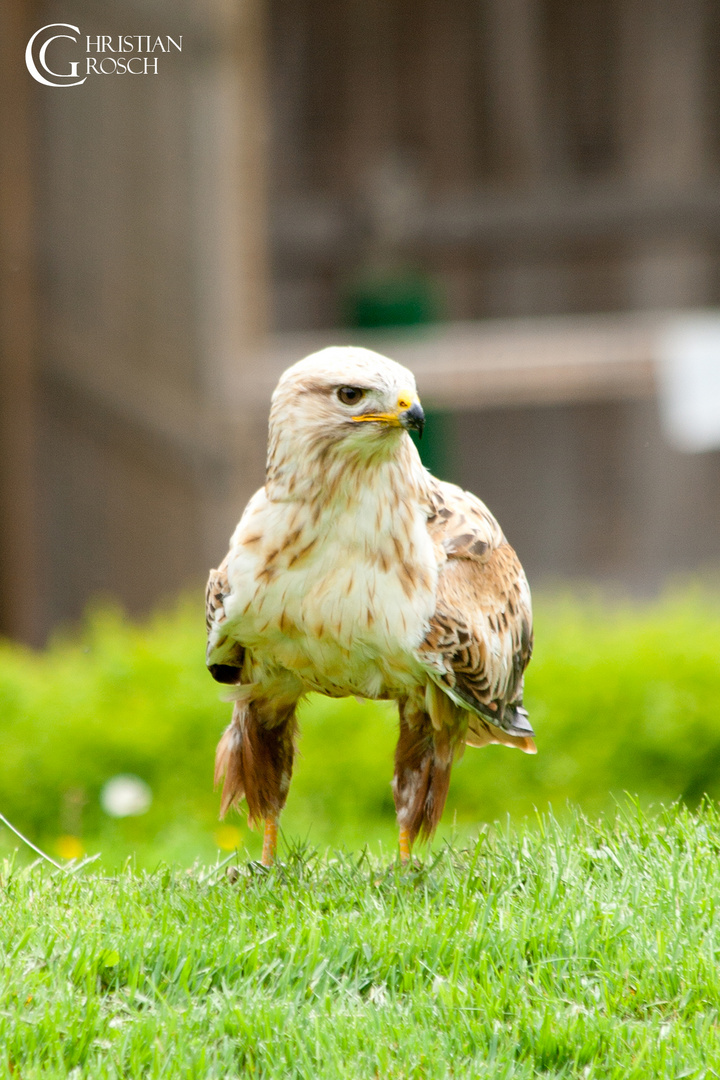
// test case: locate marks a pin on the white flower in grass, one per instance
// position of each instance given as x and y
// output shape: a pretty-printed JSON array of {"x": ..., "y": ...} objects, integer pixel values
[{"x": 125, "y": 796}]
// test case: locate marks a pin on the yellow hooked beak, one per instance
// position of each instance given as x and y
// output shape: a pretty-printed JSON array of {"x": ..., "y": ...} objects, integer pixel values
[{"x": 409, "y": 414}]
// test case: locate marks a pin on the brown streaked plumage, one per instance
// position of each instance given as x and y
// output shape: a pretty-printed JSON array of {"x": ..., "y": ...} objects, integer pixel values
[{"x": 354, "y": 571}]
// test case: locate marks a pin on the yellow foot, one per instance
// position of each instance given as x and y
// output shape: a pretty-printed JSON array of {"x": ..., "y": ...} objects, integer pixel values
[
  {"x": 269, "y": 842},
  {"x": 405, "y": 846}
]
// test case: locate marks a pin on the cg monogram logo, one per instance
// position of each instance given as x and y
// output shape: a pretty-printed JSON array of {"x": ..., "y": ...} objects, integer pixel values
[
  {"x": 121, "y": 54},
  {"x": 40, "y": 69}
]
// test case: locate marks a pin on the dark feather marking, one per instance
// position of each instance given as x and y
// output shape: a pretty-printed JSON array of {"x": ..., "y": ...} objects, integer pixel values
[
  {"x": 302, "y": 553},
  {"x": 407, "y": 579},
  {"x": 292, "y": 538}
]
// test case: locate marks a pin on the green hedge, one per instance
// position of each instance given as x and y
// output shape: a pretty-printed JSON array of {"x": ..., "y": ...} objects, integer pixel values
[{"x": 622, "y": 698}]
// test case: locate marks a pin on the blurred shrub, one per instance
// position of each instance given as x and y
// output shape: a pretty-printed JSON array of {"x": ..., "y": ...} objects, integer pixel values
[{"x": 622, "y": 698}]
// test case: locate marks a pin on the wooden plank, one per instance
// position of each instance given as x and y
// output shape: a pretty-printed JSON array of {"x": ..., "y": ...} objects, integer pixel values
[
  {"x": 517, "y": 78},
  {"x": 446, "y": 102},
  {"x": 495, "y": 363},
  {"x": 20, "y": 587},
  {"x": 458, "y": 365},
  {"x": 581, "y": 69},
  {"x": 367, "y": 118},
  {"x": 663, "y": 120},
  {"x": 310, "y": 228},
  {"x": 665, "y": 138},
  {"x": 227, "y": 134}
]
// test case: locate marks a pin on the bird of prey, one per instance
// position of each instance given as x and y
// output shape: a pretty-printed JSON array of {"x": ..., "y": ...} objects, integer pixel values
[{"x": 355, "y": 571}]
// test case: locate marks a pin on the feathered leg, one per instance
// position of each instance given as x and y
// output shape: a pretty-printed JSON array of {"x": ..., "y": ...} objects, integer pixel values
[
  {"x": 423, "y": 761},
  {"x": 255, "y": 758}
]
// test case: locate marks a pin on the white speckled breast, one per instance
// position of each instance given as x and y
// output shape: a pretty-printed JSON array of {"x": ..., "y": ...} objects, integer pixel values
[{"x": 341, "y": 599}]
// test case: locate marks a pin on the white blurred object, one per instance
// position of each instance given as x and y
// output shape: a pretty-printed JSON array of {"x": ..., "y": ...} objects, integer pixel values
[
  {"x": 689, "y": 382},
  {"x": 125, "y": 796}
]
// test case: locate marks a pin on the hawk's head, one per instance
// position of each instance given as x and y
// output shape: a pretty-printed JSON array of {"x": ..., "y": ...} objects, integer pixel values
[{"x": 343, "y": 398}]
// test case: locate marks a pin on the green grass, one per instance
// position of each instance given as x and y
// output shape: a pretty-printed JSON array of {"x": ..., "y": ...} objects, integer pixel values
[{"x": 563, "y": 949}]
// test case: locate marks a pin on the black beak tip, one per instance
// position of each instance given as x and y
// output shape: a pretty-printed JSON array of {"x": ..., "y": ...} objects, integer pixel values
[{"x": 414, "y": 419}]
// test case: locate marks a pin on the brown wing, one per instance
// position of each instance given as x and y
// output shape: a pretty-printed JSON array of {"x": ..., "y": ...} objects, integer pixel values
[
  {"x": 224, "y": 657},
  {"x": 480, "y": 637}
]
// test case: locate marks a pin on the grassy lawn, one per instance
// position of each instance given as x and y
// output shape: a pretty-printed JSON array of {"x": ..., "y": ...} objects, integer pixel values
[
  {"x": 579, "y": 944},
  {"x": 559, "y": 949}
]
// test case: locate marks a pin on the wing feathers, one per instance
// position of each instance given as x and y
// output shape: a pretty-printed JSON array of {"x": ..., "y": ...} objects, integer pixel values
[
  {"x": 460, "y": 523},
  {"x": 480, "y": 636}
]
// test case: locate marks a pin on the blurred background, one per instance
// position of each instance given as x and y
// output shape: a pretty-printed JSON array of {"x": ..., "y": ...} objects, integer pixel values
[{"x": 519, "y": 199}]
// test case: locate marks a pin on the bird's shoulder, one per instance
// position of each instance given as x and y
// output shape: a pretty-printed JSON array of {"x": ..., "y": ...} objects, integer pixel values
[
  {"x": 220, "y": 586},
  {"x": 225, "y": 655},
  {"x": 460, "y": 524}
]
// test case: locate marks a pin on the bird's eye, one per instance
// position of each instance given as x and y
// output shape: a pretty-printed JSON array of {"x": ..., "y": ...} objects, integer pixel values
[{"x": 350, "y": 395}]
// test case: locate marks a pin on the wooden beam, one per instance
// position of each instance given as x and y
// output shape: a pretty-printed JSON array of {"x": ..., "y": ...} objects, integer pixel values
[
  {"x": 665, "y": 136},
  {"x": 228, "y": 137},
  {"x": 19, "y": 573},
  {"x": 497, "y": 363},
  {"x": 665, "y": 106},
  {"x": 518, "y": 96},
  {"x": 315, "y": 229}
]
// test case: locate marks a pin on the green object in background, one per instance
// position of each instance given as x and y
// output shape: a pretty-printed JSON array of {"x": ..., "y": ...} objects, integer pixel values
[
  {"x": 380, "y": 301},
  {"x": 437, "y": 446},
  {"x": 396, "y": 300}
]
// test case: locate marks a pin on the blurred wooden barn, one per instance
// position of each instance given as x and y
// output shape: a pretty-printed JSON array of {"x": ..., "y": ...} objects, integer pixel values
[{"x": 536, "y": 180}]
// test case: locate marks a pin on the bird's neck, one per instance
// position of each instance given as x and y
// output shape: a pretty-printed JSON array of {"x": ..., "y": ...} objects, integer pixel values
[{"x": 335, "y": 480}]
